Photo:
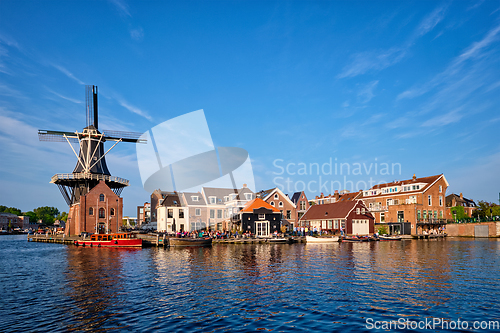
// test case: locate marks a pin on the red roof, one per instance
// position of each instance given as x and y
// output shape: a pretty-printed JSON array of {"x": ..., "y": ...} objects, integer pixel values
[
  {"x": 429, "y": 180},
  {"x": 256, "y": 204},
  {"x": 337, "y": 210}
]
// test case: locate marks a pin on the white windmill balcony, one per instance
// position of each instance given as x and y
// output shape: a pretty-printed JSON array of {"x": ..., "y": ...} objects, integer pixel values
[{"x": 88, "y": 176}]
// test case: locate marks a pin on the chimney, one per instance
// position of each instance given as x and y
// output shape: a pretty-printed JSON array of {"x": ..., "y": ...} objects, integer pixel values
[
  {"x": 414, "y": 177},
  {"x": 461, "y": 196},
  {"x": 244, "y": 185},
  {"x": 336, "y": 196}
]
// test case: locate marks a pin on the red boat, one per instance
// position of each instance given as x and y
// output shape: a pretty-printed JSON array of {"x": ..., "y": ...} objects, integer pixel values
[{"x": 111, "y": 240}]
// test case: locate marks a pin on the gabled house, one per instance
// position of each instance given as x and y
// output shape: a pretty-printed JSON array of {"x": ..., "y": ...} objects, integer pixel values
[
  {"x": 454, "y": 200},
  {"x": 171, "y": 215},
  {"x": 196, "y": 212},
  {"x": 260, "y": 218},
  {"x": 277, "y": 199},
  {"x": 299, "y": 199},
  {"x": 350, "y": 216},
  {"x": 224, "y": 205}
]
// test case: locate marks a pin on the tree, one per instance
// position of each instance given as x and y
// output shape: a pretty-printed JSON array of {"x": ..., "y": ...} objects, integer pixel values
[
  {"x": 458, "y": 212},
  {"x": 12, "y": 210},
  {"x": 62, "y": 217},
  {"x": 46, "y": 214},
  {"x": 487, "y": 209}
]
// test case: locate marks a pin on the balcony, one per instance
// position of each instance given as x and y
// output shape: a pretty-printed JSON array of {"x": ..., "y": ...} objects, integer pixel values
[{"x": 378, "y": 208}]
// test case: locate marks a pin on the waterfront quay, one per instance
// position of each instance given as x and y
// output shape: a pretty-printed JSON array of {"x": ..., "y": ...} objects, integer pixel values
[{"x": 160, "y": 241}]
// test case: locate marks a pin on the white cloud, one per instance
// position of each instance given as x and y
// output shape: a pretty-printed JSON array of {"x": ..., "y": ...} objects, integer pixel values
[
  {"x": 445, "y": 119},
  {"x": 366, "y": 94},
  {"x": 76, "y": 101},
  {"x": 137, "y": 34},
  {"x": 68, "y": 73},
  {"x": 364, "y": 62},
  {"x": 121, "y": 6},
  {"x": 430, "y": 21},
  {"x": 134, "y": 109}
]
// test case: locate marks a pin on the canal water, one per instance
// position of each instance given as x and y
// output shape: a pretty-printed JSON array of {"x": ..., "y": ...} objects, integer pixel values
[{"x": 240, "y": 288}]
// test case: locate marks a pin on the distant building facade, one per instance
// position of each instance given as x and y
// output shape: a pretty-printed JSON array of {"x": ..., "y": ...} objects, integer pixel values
[
  {"x": 409, "y": 206},
  {"x": 351, "y": 216},
  {"x": 260, "y": 218},
  {"x": 454, "y": 200}
]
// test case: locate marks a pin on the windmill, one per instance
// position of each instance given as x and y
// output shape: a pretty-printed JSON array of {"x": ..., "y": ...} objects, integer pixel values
[{"x": 91, "y": 165}]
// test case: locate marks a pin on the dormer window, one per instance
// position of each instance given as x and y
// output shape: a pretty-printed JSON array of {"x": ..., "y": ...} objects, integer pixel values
[
  {"x": 248, "y": 196},
  {"x": 194, "y": 198},
  {"x": 212, "y": 200}
]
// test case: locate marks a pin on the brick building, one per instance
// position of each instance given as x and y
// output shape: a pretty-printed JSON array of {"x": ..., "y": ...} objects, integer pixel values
[
  {"x": 454, "y": 200},
  {"x": 98, "y": 211},
  {"x": 409, "y": 206},
  {"x": 351, "y": 216}
]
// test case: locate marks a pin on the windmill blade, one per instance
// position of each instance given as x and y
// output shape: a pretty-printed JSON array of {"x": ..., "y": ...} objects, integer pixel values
[
  {"x": 57, "y": 136},
  {"x": 123, "y": 136}
]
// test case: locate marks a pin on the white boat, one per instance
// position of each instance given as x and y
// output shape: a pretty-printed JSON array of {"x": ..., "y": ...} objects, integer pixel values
[{"x": 332, "y": 239}]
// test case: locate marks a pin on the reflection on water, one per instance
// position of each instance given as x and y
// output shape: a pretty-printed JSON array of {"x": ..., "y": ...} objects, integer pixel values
[{"x": 277, "y": 287}]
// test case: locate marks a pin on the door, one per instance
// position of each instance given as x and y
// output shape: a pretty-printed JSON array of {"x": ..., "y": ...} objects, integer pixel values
[{"x": 262, "y": 228}]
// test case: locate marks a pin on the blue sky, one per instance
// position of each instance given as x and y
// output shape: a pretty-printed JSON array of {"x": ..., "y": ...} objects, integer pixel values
[{"x": 414, "y": 84}]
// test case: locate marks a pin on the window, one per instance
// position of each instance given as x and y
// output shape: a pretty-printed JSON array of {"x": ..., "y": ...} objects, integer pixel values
[
  {"x": 288, "y": 214},
  {"x": 262, "y": 216},
  {"x": 248, "y": 196},
  {"x": 302, "y": 205},
  {"x": 170, "y": 213},
  {"x": 440, "y": 214},
  {"x": 194, "y": 198},
  {"x": 336, "y": 224},
  {"x": 330, "y": 224},
  {"x": 212, "y": 200},
  {"x": 280, "y": 204},
  {"x": 382, "y": 217},
  {"x": 440, "y": 200},
  {"x": 101, "y": 197},
  {"x": 197, "y": 212},
  {"x": 219, "y": 213},
  {"x": 357, "y": 210},
  {"x": 102, "y": 213},
  {"x": 226, "y": 198},
  {"x": 435, "y": 214},
  {"x": 276, "y": 197},
  {"x": 272, "y": 203},
  {"x": 425, "y": 215},
  {"x": 419, "y": 216},
  {"x": 429, "y": 199},
  {"x": 440, "y": 189},
  {"x": 112, "y": 212},
  {"x": 362, "y": 210},
  {"x": 396, "y": 201},
  {"x": 212, "y": 213},
  {"x": 91, "y": 211},
  {"x": 389, "y": 202},
  {"x": 181, "y": 213}
]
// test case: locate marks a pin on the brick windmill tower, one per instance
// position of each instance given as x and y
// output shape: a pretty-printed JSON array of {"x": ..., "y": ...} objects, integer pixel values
[{"x": 92, "y": 194}]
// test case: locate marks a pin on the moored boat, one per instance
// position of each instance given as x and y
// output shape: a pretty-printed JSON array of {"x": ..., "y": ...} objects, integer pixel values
[
  {"x": 111, "y": 240},
  {"x": 349, "y": 239},
  {"x": 174, "y": 241},
  {"x": 312, "y": 239},
  {"x": 390, "y": 238}
]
